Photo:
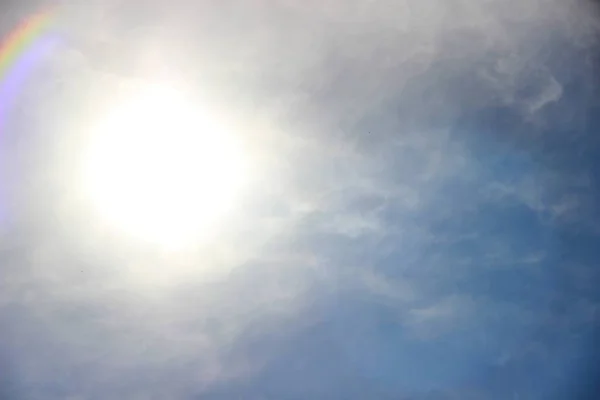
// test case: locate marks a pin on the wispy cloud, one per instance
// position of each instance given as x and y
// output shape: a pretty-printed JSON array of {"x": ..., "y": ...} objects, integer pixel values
[{"x": 375, "y": 188}]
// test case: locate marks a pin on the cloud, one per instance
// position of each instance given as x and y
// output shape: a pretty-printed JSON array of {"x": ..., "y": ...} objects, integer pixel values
[
  {"x": 378, "y": 190},
  {"x": 434, "y": 320}
]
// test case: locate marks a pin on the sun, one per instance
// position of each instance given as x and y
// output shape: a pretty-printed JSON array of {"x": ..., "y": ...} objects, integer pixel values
[{"x": 159, "y": 169}]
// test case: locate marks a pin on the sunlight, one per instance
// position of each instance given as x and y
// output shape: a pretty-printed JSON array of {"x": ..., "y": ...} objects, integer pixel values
[{"x": 159, "y": 170}]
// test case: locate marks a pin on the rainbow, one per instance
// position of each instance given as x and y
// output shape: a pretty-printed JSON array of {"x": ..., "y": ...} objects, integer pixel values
[
  {"x": 21, "y": 37},
  {"x": 20, "y": 52}
]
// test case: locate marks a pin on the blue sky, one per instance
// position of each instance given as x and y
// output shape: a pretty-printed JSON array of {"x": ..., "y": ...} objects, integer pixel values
[{"x": 427, "y": 227}]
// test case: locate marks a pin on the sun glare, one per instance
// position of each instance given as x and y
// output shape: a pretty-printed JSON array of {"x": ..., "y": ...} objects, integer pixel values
[{"x": 160, "y": 170}]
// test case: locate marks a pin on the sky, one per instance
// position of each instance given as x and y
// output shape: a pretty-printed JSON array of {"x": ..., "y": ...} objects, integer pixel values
[{"x": 425, "y": 227}]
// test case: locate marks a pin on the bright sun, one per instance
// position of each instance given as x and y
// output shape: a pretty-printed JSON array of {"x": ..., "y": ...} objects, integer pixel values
[{"x": 159, "y": 170}]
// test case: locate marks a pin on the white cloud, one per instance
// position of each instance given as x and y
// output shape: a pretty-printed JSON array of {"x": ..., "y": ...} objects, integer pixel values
[
  {"x": 393, "y": 292},
  {"x": 315, "y": 73},
  {"x": 445, "y": 315}
]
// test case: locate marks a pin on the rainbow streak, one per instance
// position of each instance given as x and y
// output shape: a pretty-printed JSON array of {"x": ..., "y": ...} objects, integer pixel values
[
  {"x": 21, "y": 37},
  {"x": 20, "y": 52}
]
